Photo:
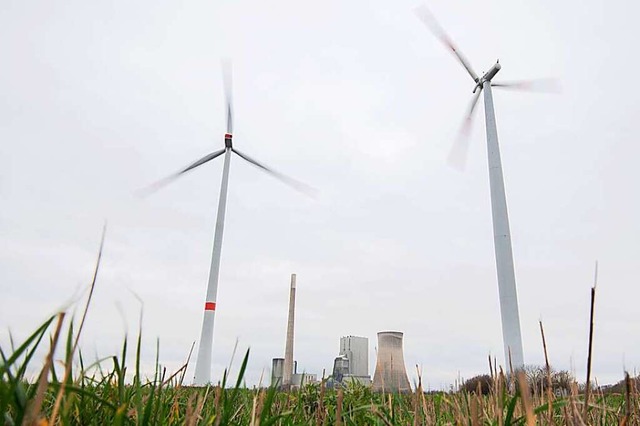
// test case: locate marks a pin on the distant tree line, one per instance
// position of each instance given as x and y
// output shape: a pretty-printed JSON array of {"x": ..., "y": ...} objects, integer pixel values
[
  {"x": 561, "y": 383},
  {"x": 537, "y": 380}
]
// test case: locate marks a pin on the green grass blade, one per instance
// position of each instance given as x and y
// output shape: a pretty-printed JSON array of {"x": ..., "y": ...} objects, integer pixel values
[
  {"x": 511, "y": 406},
  {"x": 34, "y": 337}
]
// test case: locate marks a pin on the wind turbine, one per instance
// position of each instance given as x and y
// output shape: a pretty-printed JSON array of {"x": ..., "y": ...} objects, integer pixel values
[
  {"x": 203, "y": 361},
  {"x": 511, "y": 334}
]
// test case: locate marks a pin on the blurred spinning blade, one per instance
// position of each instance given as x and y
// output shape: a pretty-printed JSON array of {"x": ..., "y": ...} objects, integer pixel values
[
  {"x": 540, "y": 85},
  {"x": 227, "y": 79},
  {"x": 459, "y": 150},
  {"x": 295, "y": 184},
  {"x": 148, "y": 190},
  {"x": 425, "y": 15}
]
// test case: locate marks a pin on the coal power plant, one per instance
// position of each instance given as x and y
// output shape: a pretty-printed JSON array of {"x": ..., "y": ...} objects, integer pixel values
[
  {"x": 390, "y": 374},
  {"x": 352, "y": 362}
]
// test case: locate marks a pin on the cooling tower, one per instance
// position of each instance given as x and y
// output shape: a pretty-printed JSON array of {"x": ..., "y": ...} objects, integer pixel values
[{"x": 390, "y": 375}]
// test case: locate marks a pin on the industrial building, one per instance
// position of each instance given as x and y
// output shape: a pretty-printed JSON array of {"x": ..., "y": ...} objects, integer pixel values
[
  {"x": 353, "y": 361},
  {"x": 297, "y": 379},
  {"x": 277, "y": 371}
]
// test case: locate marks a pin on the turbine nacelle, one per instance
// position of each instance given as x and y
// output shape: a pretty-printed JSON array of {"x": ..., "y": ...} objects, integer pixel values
[
  {"x": 487, "y": 76},
  {"x": 492, "y": 72},
  {"x": 228, "y": 140}
]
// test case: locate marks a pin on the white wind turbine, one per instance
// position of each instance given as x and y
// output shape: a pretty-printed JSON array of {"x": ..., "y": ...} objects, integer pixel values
[
  {"x": 203, "y": 362},
  {"x": 511, "y": 333}
]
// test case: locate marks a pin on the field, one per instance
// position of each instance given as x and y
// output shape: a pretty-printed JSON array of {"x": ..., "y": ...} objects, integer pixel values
[
  {"x": 69, "y": 392},
  {"x": 108, "y": 391}
]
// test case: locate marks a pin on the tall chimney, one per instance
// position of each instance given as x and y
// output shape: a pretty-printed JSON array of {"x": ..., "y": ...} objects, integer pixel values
[{"x": 288, "y": 351}]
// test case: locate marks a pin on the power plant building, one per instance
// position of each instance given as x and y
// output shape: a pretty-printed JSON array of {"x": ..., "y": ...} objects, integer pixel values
[
  {"x": 297, "y": 379},
  {"x": 390, "y": 374},
  {"x": 356, "y": 349},
  {"x": 277, "y": 371},
  {"x": 353, "y": 361}
]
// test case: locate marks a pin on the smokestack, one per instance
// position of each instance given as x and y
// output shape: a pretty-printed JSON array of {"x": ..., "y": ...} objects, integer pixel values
[
  {"x": 288, "y": 351},
  {"x": 390, "y": 374}
]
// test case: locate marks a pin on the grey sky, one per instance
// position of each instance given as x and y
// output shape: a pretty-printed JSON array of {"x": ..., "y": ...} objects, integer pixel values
[{"x": 359, "y": 100}]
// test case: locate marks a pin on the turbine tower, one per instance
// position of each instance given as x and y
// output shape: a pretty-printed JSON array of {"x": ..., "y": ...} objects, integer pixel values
[
  {"x": 203, "y": 362},
  {"x": 510, "y": 316}
]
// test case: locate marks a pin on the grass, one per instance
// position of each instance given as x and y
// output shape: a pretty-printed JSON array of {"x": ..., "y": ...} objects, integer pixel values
[
  {"x": 72, "y": 393},
  {"x": 69, "y": 392}
]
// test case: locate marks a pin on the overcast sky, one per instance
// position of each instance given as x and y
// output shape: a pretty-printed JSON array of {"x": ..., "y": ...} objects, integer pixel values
[{"x": 359, "y": 100}]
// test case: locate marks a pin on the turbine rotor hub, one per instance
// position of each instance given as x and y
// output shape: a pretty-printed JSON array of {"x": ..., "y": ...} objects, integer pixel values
[
  {"x": 228, "y": 140},
  {"x": 487, "y": 76}
]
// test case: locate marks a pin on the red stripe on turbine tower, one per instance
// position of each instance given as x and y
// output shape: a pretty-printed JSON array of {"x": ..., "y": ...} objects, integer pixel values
[{"x": 210, "y": 306}]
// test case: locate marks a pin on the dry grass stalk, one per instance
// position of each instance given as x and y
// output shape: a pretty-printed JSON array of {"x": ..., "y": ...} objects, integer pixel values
[
  {"x": 491, "y": 372},
  {"x": 416, "y": 404},
  {"x": 377, "y": 412},
  {"x": 627, "y": 399},
  {"x": 576, "y": 417},
  {"x": 492, "y": 387},
  {"x": 527, "y": 405},
  {"x": 190, "y": 419},
  {"x": 459, "y": 413},
  {"x": 256, "y": 409},
  {"x": 425, "y": 409},
  {"x": 549, "y": 382},
  {"x": 179, "y": 384},
  {"x": 185, "y": 364},
  {"x": 174, "y": 413},
  {"x": 216, "y": 404},
  {"x": 634, "y": 396},
  {"x": 35, "y": 406},
  {"x": 201, "y": 403},
  {"x": 588, "y": 383},
  {"x": 475, "y": 414},
  {"x": 339, "y": 407},
  {"x": 512, "y": 377},
  {"x": 320, "y": 414},
  {"x": 70, "y": 355},
  {"x": 501, "y": 385}
]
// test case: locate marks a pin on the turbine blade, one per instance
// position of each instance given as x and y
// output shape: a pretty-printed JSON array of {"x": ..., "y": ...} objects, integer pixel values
[
  {"x": 295, "y": 184},
  {"x": 425, "y": 15},
  {"x": 541, "y": 85},
  {"x": 167, "y": 180},
  {"x": 460, "y": 149},
  {"x": 227, "y": 79},
  {"x": 201, "y": 161}
]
